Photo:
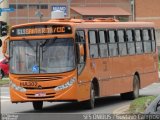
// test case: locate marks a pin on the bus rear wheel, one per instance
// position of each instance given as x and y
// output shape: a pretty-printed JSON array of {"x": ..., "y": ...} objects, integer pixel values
[
  {"x": 135, "y": 93},
  {"x": 91, "y": 101},
  {"x": 37, "y": 105}
]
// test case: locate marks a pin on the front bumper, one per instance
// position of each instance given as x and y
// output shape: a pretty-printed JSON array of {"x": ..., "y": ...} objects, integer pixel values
[{"x": 68, "y": 94}]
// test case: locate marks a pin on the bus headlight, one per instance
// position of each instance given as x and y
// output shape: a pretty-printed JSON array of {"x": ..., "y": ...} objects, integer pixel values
[
  {"x": 18, "y": 88},
  {"x": 66, "y": 85}
]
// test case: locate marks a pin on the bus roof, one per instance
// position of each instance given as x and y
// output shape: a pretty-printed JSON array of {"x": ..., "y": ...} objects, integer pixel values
[
  {"x": 96, "y": 23},
  {"x": 115, "y": 25}
]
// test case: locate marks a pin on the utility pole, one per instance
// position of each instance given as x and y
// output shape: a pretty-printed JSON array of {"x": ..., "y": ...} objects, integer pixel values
[
  {"x": 69, "y": 8},
  {"x": 38, "y": 13},
  {"x": 132, "y": 2}
]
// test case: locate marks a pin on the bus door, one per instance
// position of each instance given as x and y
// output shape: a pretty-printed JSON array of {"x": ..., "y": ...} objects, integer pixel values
[{"x": 81, "y": 54}]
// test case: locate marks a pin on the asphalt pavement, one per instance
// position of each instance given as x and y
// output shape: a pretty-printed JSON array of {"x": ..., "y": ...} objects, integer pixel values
[{"x": 103, "y": 105}]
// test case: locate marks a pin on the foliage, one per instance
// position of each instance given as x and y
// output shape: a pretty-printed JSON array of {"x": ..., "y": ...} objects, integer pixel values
[
  {"x": 4, "y": 81},
  {"x": 140, "y": 104}
]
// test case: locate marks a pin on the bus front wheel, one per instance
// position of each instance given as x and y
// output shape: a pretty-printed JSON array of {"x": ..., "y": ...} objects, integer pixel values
[
  {"x": 38, "y": 105},
  {"x": 135, "y": 93}
]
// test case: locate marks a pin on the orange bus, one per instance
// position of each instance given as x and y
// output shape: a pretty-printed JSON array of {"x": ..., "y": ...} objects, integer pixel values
[{"x": 80, "y": 60}]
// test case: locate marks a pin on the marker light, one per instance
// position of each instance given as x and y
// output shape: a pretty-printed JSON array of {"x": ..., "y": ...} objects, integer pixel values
[
  {"x": 18, "y": 88},
  {"x": 66, "y": 85}
]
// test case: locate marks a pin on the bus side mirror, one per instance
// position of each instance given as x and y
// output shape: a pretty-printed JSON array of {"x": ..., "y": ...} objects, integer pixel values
[
  {"x": 0, "y": 42},
  {"x": 81, "y": 49},
  {"x": 4, "y": 48}
]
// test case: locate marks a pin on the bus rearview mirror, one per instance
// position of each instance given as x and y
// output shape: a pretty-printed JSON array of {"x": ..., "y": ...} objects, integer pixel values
[{"x": 4, "y": 48}]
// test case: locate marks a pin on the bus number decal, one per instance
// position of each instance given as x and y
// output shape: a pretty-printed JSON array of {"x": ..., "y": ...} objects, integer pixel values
[{"x": 28, "y": 84}]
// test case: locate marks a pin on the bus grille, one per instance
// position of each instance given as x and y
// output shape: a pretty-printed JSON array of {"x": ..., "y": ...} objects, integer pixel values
[
  {"x": 35, "y": 88},
  {"x": 48, "y": 95},
  {"x": 40, "y": 78}
]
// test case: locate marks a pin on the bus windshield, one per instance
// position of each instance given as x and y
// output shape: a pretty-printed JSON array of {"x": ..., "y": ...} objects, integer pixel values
[{"x": 42, "y": 56}]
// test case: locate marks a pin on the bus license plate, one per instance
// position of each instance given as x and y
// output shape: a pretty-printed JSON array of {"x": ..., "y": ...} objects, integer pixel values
[{"x": 40, "y": 94}]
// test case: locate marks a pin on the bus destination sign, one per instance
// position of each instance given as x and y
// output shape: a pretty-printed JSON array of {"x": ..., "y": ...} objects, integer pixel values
[{"x": 41, "y": 30}]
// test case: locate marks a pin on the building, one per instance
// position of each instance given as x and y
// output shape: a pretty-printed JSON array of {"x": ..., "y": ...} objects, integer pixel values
[
  {"x": 149, "y": 11},
  {"x": 40, "y": 10}
]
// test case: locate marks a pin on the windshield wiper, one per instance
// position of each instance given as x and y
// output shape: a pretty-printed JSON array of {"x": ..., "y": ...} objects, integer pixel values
[
  {"x": 46, "y": 41},
  {"x": 43, "y": 44}
]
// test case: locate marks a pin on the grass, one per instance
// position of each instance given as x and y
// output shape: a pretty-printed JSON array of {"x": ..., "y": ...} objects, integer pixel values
[
  {"x": 4, "y": 81},
  {"x": 140, "y": 104}
]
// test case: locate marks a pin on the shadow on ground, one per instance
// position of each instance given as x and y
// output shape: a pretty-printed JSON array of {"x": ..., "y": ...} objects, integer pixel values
[{"x": 74, "y": 107}]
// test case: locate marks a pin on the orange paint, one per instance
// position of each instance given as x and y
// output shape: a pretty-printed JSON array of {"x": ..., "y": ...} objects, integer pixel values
[{"x": 113, "y": 74}]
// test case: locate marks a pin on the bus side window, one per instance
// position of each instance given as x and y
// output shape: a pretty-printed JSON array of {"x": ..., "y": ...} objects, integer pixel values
[
  {"x": 152, "y": 34},
  {"x": 93, "y": 44},
  {"x": 130, "y": 42},
  {"x": 146, "y": 41},
  {"x": 138, "y": 40},
  {"x": 103, "y": 47},
  {"x": 113, "y": 47},
  {"x": 121, "y": 42}
]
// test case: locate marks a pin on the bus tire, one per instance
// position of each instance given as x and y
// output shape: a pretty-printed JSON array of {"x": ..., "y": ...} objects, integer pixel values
[
  {"x": 91, "y": 101},
  {"x": 37, "y": 105},
  {"x": 135, "y": 93}
]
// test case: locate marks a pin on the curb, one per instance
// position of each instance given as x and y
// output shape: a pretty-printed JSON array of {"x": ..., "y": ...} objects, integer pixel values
[
  {"x": 5, "y": 85},
  {"x": 121, "y": 110}
]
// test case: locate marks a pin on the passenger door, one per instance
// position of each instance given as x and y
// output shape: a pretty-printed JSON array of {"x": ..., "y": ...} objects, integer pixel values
[{"x": 81, "y": 60}]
